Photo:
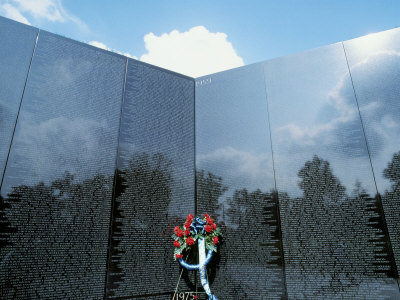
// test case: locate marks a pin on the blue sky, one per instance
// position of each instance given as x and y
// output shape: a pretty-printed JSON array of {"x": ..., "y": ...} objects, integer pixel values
[{"x": 254, "y": 30}]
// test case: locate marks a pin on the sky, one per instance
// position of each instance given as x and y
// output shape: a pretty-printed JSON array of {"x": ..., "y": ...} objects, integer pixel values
[{"x": 202, "y": 37}]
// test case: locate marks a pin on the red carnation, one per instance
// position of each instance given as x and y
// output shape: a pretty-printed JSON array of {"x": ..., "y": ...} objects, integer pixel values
[
  {"x": 215, "y": 240},
  {"x": 177, "y": 244},
  {"x": 179, "y": 233},
  {"x": 176, "y": 229},
  {"x": 208, "y": 228},
  {"x": 206, "y": 216},
  {"x": 178, "y": 256},
  {"x": 187, "y": 232},
  {"x": 209, "y": 220},
  {"x": 214, "y": 226},
  {"x": 188, "y": 223},
  {"x": 190, "y": 241},
  {"x": 190, "y": 218}
]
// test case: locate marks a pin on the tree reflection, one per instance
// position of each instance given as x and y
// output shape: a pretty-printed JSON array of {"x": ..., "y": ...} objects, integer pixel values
[
  {"x": 334, "y": 243},
  {"x": 318, "y": 183},
  {"x": 251, "y": 239},
  {"x": 392, "y": 172},
  {"x": 5, "y": 229},
  {"x": 140, "y": 244},
  {"x": 59, "y": 239},
  {"x": 391, "y": 200},
  {"x": 209, "y": 189}
]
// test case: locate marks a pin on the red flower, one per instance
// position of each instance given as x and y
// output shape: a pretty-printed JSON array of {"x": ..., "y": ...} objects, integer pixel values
[
  {"x": 178, "y": 256},
  {"x": 214, "y": 226},
  {"x": 187, "y": 232},
  {"x": 188, "y": 223},
  {"x": 190, "y": 241},
  {"x": 176, "y": 229},
  {"x": 206, "y": 216},
  {"x": 208, "y": 228},
  {"x": 209, "y": 220},
  {"x": 215, "y": 240},
  {"x": 179, "y": 233},
  {"x": 190, "y": 217},
  {"x": 195, "y": 297},
  {"x": 177, "y": 244}
]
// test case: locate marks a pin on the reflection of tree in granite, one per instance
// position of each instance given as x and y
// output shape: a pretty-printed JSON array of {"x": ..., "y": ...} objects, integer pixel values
[
  {"x": 330, "y": 240},
  {"x": 245, "y": 215},
  {"x": 60, "y": 246},
  {"x": 5, "y": 226},
  {"x": 209, "y": 189},
  {"x": 358, "y": 189},
  {"x": 248, "y": 245},
  {"x": 392, "y": 172},
  {"x": 319, "y": 184},
  {"x": 254, "y": 243},
  {"x": 391, "y": 202},
  {"x": 145, "y": 257}
]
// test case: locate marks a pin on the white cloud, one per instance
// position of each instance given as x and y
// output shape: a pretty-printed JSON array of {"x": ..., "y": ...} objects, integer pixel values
[
  {"x": 104, "y": 46},
  {"x": 342, "y": 102},
  {"x": 239, "y": 168},
  {"x": 64, "y": 144},
  {"x": 339, "y": 101},
  {"x": 195, "y": 53},
  {"x": 49, "y": 10},
  {"x": 99, "y": 45},
  {"x": 11, "y": 12}
]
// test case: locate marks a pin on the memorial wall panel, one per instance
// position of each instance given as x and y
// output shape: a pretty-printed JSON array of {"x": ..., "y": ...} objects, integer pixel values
[
  {"x": 154, "y": 183},
  {"x": 296, "y": 159},
  {"x": 374, "y": 62},
  {"x": 334, "y": 233},
  {"x": 17, "y": 45},
  {"x": 59, "y": 176},
  {"x": 235, "y": 184}
]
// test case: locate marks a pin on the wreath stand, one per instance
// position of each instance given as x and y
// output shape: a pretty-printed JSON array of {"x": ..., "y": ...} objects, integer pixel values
[{"x": 203, "y": 261}]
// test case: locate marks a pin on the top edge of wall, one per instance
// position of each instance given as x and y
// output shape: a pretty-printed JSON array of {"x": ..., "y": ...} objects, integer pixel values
[
  {"x": 298, "y": 53},
  {"x": 96, "y": 48},
  {"x": 179, "y": 74}
]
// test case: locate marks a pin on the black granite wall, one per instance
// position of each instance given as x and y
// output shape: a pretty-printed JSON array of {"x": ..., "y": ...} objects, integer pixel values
[
  {"x": 297, "y": 160},
  {"x": 97, "y": 166}
]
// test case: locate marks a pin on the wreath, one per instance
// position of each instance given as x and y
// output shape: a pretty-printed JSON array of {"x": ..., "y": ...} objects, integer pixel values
[{"x": 194, "y": 229}]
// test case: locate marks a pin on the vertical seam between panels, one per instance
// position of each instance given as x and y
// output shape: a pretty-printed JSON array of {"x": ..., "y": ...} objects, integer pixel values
[
  {"x": 359, "y": 114},
  {"x": 110, "y": 232},
  {"x": 195, "y": 163},
  {"x": 19, "y": 109},
  {"x": 194, "y": 150},
  {"x": 379, "y": 198},
  {"x": 285, "y": 293},
  {"x": 269, "y": 125}
]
